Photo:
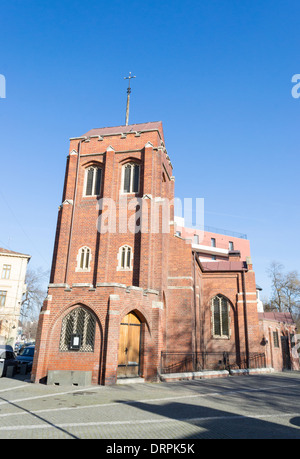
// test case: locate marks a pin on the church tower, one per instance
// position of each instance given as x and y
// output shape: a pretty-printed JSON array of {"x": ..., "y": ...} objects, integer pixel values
[{"x": 103, "y": 316}]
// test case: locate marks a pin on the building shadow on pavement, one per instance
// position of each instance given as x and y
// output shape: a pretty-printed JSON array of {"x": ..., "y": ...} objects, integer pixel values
[{"x": 219, "y": 424}]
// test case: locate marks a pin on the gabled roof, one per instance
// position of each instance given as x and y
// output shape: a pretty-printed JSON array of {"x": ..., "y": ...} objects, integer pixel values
[
  {"x": 131, "y": 128},
  {"x": 276, "y": 316},
  {"x": 10, "y": 252}
]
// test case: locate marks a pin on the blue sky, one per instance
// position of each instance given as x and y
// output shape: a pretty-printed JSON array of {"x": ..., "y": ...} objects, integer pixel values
[{"x": 216, "y": 73}]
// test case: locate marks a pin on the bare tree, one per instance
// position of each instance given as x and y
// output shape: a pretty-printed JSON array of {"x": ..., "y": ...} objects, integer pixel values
[
  {"x": 291, "y": 292},
  {"x": 35, "y": 294},
  {"x": 285, "y": 295},
  {"x": 275, "y": 272}
]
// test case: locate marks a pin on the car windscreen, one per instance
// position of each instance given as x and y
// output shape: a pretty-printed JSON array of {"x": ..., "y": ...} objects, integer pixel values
[{"x": 27, "y": 352}]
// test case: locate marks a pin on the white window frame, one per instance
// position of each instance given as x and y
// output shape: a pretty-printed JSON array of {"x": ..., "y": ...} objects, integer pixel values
[
  {"x": 6, "y": 272},
  {"x": 196, "y": 239},
  {"x": 3, "y": 296},
  {"x": 95, "y": 168},
  {"x": 131, "y": 164},
  {"x": 119, "y": 258},
  {"x": 86, "y": 251}
]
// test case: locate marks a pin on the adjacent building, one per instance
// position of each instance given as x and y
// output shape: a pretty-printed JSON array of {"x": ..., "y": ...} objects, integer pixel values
[
  {"x": 13, "y": 267},
  {"x": 279, "y": 337}
]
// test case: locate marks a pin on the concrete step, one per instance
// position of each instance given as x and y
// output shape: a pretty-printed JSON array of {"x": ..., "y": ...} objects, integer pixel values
[{"x": 130, "y": 380}]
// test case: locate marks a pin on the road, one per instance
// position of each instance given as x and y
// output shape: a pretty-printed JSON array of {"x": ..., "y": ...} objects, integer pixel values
[{"x": 246, "y": 407}]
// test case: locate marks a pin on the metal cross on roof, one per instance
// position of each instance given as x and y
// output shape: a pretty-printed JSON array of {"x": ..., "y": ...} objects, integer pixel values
[{"x": 128, "y": 97}]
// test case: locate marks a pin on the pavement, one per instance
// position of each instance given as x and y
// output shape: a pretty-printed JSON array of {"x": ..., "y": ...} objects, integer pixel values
[{"x": 236, "y": 407}]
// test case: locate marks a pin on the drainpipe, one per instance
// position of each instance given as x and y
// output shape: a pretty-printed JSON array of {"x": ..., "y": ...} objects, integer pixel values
[
  {"x": 82, "y": 139},
  {"x": 195, "y": 308},
  {"x": 246, "y": 320},
  {"x": 271, "y": 348}
]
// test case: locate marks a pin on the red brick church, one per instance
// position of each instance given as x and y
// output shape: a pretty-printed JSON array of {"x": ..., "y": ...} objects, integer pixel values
[{"x": 132, "y": 293}]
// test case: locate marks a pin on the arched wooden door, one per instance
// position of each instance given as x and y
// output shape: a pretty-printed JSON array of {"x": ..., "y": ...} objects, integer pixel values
[{"x": 129, "y": 346}]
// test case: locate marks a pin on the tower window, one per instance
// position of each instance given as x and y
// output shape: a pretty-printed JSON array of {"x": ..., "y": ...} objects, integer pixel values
[
  {"x": 93, "y": 177},
  {"x": 125, "y": 256},
  {"x": 213, "y": 242},
  {"x": 84, "y": 259},
  {"x": 230, "y": 245},
  {"x": 131, "y": 178},
  {"x": 220, "y": 317}
]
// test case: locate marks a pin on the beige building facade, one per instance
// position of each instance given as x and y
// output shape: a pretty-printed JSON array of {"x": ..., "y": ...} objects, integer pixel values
[{"x": 13, "y": 267}]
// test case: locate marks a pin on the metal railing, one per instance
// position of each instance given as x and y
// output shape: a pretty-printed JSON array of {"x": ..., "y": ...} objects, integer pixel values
[
  {"x": 211, "y": 229},
  {"x": 180, "y": 362}
]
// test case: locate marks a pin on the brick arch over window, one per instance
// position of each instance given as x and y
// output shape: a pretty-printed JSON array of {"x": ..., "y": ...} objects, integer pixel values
[
  {"x": 130, "y": 159},
  {"x": 92, "y": 162}
]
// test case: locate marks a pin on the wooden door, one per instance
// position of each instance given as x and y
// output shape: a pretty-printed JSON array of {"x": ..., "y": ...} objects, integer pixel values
[{"x": 129, "y": 346}]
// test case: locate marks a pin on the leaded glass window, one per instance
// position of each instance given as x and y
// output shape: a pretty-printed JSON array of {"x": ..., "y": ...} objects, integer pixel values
[
  {"x": 220, "y": 317},
  {"x": 93, "y": 181},
  {"x": 131, "y": 178},
  {"x": 82, "y": 323},
  {"x": 125, "y": 257},
  {"x": 84, "y": 259}
]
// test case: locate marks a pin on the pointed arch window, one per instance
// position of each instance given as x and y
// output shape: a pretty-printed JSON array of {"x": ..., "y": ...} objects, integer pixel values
[
  {"x": 82, "y": 324},
  {"x": 125, "y": 257},
  {"x": 220, "y": 317},
  {"x": 93, "y": 178},
  {"x": 84, "y": 259},
  {"x": 131, "y": 178}
]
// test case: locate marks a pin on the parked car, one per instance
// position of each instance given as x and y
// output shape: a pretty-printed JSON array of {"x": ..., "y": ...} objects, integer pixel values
[
  {"x": 7, "y": 359},
  {"x": 26, "y": 356},
  {"x": 22, "y": 346}
]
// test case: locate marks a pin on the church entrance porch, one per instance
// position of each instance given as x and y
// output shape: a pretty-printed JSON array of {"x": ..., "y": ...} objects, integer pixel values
[{"x": 129, "y": 354}]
